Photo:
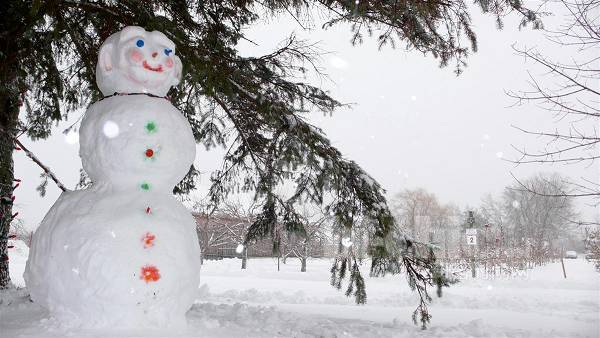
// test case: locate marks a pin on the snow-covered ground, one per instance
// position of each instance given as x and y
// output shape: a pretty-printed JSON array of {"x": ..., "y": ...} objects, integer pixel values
[{"x": 264, "y": 302}]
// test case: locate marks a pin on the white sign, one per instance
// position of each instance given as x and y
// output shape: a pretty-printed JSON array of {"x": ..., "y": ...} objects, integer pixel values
[
  {"x": 471, "y": 231},
  {"x": 472, "y": 239}
]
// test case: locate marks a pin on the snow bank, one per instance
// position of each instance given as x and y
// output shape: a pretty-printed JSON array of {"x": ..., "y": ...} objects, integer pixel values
[{"x": 264, "y": 302}]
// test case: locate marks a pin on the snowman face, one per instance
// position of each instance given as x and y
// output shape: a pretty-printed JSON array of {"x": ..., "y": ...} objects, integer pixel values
[
  {"x": 134, "y": 60},
  {"x": 148, "y": 61}
]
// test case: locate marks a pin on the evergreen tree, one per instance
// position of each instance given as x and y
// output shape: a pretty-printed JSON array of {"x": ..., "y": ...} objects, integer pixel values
[{"x": 47, "y": 63}]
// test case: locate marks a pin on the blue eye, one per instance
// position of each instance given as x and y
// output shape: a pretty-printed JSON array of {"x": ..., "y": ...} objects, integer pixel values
[
  {"x": 168, "y": 51},
  {"x": 139, "y": 43}
]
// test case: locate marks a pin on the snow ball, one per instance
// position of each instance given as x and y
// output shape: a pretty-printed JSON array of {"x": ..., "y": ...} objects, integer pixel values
[
  {"x": 516, "y": 204},
  {"x": 346, "y": 242},
  {"x": 110, "y": 129},
  {"x": 338, "y": 62},
  {"x": 499, "y": 154},
  {"x": 72, "y": 137},
  {"x": 240, "y": 248}
]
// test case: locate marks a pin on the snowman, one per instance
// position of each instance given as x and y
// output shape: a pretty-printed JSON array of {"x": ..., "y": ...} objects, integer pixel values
[{"x": 124, "y": 252}]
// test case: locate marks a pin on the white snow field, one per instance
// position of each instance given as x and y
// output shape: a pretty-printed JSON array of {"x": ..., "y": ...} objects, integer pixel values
[{"x": 262, "y": 302}]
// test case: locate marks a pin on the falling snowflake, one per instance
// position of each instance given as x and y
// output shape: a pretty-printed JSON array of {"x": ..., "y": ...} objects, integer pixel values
[
  {"x": 346, "y": 242},
  {"x": 516, "y": 204},
  {"x": 110, "y": 129},
  {"x": 499, "y": 154},
  {"x": 240, "y": 248}
]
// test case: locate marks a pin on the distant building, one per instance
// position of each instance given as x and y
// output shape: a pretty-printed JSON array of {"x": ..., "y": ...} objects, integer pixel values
[{"x": 221, "y": 235}]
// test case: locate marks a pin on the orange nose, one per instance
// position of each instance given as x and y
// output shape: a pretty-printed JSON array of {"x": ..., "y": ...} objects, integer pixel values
[{"x": 154, "y": 54}]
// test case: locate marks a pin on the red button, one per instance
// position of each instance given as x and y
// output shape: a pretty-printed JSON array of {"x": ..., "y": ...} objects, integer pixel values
[
  {"x": 149, "y": 152},
  {"x": 150, "y": 273}
]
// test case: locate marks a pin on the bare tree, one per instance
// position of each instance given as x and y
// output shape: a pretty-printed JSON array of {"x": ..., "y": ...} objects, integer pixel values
[
  {"x": 226, "y": 226},
  {"x": 592, "y": 245},
  {"x": 515, "y": 231},
  {"x": 539, "y": 219},
  {"x": 19, "y": 231},
  {"x": 493, "y": 210},
  {"x": 570, "y": 92},
  {"x": 316, "y": 224},
  {"x": 414, "y": 208},
  {"x": 362, "y": 234},
  {"x": 445, "y": 221},
  {"x": 210, "y": 236},
  {"x": 430, "y": 221}
]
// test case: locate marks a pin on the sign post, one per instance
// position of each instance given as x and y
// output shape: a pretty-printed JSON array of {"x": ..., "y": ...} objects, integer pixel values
[{"x": 471, "y": 233}]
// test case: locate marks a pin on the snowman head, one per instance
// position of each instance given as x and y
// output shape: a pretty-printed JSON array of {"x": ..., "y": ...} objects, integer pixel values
[{"x": 136, "y": 61}]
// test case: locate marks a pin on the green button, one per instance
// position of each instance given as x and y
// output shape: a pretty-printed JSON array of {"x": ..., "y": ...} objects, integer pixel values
[
  {"x": 151, "y": 127},
  {"x": 145, "y": 186}
]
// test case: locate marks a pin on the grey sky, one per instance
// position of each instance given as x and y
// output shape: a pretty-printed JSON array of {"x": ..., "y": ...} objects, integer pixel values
[{"x": 412, "y": 125}]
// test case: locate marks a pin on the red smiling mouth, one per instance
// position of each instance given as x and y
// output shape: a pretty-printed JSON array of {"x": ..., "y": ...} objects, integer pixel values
[{"x": 154, "y": 69}]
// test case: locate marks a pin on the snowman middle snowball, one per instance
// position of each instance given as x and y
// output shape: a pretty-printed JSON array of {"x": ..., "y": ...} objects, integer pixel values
[{"x": 124, "y": 252}]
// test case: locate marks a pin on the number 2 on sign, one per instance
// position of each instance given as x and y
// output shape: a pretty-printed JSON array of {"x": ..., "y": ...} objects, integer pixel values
[{"x": 471, "y": 240}]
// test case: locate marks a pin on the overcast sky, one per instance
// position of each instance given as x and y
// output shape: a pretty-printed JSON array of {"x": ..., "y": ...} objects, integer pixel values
[{"x": 412, "y": 124}]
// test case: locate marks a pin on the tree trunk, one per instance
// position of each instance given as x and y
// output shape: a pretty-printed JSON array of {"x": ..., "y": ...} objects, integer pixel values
[
  {"x": 9, "y": 114},
  {"x": 244, "y": 258},
  {"x": 360, "y": 246},
  {"x": 304, "y": 257}
]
